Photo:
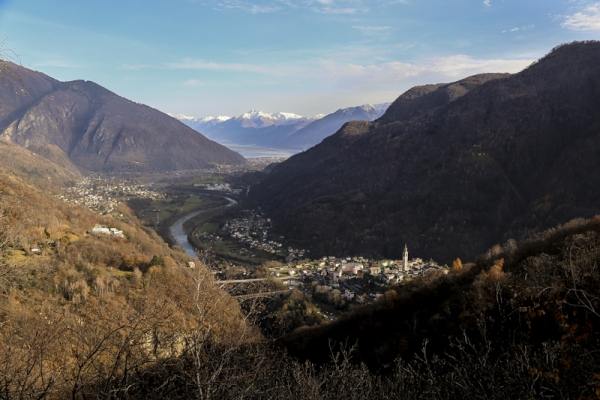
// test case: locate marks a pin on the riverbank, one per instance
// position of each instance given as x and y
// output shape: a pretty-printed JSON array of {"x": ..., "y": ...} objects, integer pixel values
[{"x": 178, "y": 232}]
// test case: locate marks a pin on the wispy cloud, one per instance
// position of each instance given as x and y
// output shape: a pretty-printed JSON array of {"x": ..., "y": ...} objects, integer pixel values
[
  {"x": 202, "y": 65},
  {"x": 335, "y": 7},
  {"x": 195, "y": 83},
  {"x": 396, "y": 73},
  {"x": 214, "y": 66},
  {"x": 336, "y": 10},
  {"x": 331, "y": 75},
  {"x": 247, "y": 6},
  {"x": 588, "y": 19},
  {"x": 323, "y": 85},
  {"x": 264, "y": 9},
  {"x": 487, "y": 3},
  {"x": 373, "y": 30},
  {"x": 518, "y": 29}
]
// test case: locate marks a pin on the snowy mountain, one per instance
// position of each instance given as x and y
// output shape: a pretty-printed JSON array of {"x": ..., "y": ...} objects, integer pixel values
[
  {"x": 259, "y": 119},
  {"x": 198, "y": 122},
  {"x": 278, "y": 130},
  {"x": 315, "y": 132}
]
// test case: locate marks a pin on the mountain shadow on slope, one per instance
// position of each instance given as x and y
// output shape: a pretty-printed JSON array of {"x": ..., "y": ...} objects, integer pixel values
[
  {"x": 451, "y": 169},
  {"x": 482, "y": 320}
]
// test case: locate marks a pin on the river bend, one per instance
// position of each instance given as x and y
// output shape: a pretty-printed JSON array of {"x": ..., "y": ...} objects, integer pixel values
[{"x": 179, "y": 234}]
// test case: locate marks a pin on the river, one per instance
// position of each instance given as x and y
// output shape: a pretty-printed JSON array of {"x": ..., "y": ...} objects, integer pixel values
[{"x": 179, "y": 234}]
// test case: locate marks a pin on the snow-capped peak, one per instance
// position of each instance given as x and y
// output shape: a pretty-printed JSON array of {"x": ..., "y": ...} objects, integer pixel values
[
  {"x": 220, "y": 118},
  {"x": 253, "y": 117},
  {"x": 375, "y": 110},
  {"x": 275, "y": 117},
  {"x": 382, "y": 108},
  {"x": 182, "y": 117}
]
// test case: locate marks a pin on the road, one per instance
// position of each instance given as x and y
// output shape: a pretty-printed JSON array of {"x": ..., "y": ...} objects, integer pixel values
[{"x": 179, "y": 234}]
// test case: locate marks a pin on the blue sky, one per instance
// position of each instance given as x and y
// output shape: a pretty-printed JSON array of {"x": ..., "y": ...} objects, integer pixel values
[{"x": 225, "y": 57}]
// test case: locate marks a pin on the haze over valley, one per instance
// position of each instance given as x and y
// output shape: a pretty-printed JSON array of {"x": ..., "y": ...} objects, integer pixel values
[{"x": 256, "y": 132}]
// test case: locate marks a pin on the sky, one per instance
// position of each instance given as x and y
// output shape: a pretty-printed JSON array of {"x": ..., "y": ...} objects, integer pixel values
[{"x": 226, "y": 57}]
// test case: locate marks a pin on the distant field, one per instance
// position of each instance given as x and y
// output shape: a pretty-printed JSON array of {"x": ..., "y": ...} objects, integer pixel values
[
  {"x": 228, "y": 247},
  {"x": 153, "y": 211},
  {"x": 206, "y": 179},
  {"x": 209, "y": 228}
]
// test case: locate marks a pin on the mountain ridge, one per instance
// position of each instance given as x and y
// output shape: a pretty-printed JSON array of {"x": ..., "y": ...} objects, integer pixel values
[
  {"x": 99, "y": 130},
  {"x": 451, "y": 169}
]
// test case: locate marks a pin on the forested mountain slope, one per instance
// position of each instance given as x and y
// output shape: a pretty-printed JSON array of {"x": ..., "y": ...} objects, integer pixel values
[
  {"x": 451, "y": 169},
  {"x": 521, "y": 322},
  {"x": 97, "y": 129},
  {"x": 45, "y": 165},
  {"x": 89, "y": 314}
]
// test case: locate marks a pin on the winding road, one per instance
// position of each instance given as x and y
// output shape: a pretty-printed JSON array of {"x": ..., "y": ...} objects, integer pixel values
[{"x": 179, "y": 234}]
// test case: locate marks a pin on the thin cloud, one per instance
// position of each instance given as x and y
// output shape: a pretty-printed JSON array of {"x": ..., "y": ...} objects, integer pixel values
[
  {"x": 263, "y": 9},
  {"x": 519, "y": 29},
  {"x": 322, "y": 84},
  {"x": 202, "y": 65},
  {"x": 372, "y": 30},
  {"x": 351, "y": 74},
  {"x": 214, "y": 66},
  {"x": 247, "y": 6},
  {"x": 195, "y": 83},
  {"x": 335, "y": 7},
  {"x": 586, "y": 20},
  {"x": 487, "y": 3},
  {"x": 353, "y": 77},
  {"x": 335, "y": 10}
]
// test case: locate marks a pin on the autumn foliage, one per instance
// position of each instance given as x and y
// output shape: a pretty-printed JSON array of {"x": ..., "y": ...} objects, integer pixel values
[{"x": 99, "y": 316}]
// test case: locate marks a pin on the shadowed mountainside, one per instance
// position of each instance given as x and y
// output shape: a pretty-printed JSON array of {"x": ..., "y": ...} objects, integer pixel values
[
  {"x": 525, "y": 312},
  {"x": 97, "y": 129},
  {"x": 451, "y": 169}
]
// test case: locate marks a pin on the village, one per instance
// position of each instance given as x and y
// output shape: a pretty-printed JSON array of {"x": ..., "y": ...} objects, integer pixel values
[
  {"x": 254, "y": 231},
  {"x": 353, "y": 279},
  {"x": 358, "y": 279},
  {"x": 102, "y": 194},
  {"x": 220, "y": 187}
]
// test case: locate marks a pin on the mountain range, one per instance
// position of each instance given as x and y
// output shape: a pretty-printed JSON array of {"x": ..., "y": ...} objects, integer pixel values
[
  {"x": 279, "y": 130},
  {"x": 451, "y": 169},
  {"x": 97, "y": 129}
]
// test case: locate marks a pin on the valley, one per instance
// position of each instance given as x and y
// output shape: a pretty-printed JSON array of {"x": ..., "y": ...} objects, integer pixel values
[
  {"x": 190, "y": 211},
  {"x": 256, "y": 133},
  {"x": 446, "y": 245}
]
